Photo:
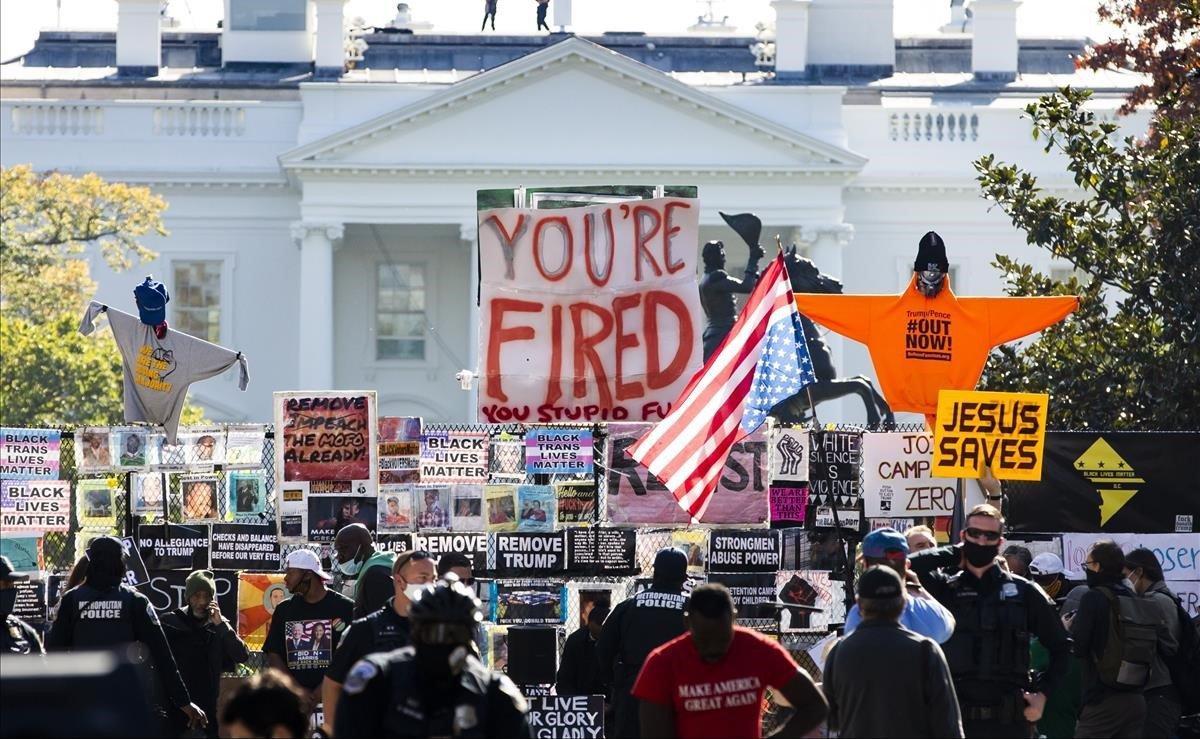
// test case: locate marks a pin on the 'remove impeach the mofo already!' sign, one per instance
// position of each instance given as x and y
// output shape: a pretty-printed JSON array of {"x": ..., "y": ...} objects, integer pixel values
[
  {"x": 588, "y": 314},
  {"x": 1003, "y": 431}
]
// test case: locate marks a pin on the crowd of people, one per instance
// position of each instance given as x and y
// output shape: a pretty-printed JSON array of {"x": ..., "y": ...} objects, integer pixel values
[{"x": 961, "y": 640}]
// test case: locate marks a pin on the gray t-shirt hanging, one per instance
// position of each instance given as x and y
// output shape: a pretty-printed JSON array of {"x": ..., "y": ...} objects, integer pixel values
[{"x": 159, "y": 371}]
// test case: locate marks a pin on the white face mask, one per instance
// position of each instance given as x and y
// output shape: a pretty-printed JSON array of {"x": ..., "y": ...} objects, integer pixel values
[
  {"x": 413, "y": 591},
  {"x": 351, "y": 568}
]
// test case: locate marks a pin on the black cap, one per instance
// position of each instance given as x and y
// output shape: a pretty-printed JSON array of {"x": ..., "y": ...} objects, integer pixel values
[
  {"x": 6, "y": 571},
  {"x": 670, "y": 565},
  {"x": 106, "y": 547},
  {"x": 931, "y": 250},
  {"x": 880, "y": 582}
]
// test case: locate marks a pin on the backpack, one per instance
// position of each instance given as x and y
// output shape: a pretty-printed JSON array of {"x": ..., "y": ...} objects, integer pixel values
[
  {"x": 1184, "y": 666},
  {"x": 1132, "y": 642}
]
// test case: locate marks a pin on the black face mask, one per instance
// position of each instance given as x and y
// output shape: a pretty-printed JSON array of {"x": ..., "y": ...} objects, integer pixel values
[
  {"x": 8, "y": 600},
  {"x": 1095, "y": 578},
  {"x": 980, "y": 555}
]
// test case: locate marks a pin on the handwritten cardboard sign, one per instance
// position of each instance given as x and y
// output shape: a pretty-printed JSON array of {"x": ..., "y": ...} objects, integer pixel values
[
  {"x": 1003, "y": 431},
  {"x": 588, "y": 314},
  {"x": 326, "y": 436}
]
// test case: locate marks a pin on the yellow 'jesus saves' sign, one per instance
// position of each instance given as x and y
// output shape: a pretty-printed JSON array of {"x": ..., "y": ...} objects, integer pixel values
[{"x": 1005, "y": 431}]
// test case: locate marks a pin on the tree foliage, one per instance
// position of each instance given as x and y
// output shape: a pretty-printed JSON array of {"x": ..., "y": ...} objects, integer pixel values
[
  {"x": 50, "y": 375},
  {"x": 1130, "y": 357}
]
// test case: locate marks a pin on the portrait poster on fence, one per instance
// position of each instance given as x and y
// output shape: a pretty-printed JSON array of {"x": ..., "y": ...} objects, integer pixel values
[
  {"x": 602, "y": 551},
  {"x": 637, "y": 497},
  {"x": 259, "y": 593},
  {"x": 326, "y": 437},
  {"x": 1105, "y": 481},
  {"x": 328, "y": 514},
  {"x": 399, "y": 450},
  {"x": 506, "y": 458},
  {"x": 243, "y": 546},
  {"x": 897, "y": 472},
  {"x": 95, "y": 501},
  {"x": 527, "y": 601},
  {"x": 517, "y": 554},
  {"x": 467, "y": 507},
  {"x": 789, "y": 454},
  {"x": 453, "y": 454},
  {"x": 432, "y": 504},
  {"x": 174, "y": 547},
  {"x": 542, "y": 309},
  {"x": 35, "y": 506},
  {"x": 200, "y": 498},
  {"x": 165, "y": 457},
  {"x": 93, "y": 451},
  {"x": 247, "y": 493},
  {"x": 536, "y": 504},
  {"x": 561, "y": 716},
  {"x": 395, "y": 508},
  {"x": 497, "y": 652},
  {"x": 576, "y": 501},
  {"x": 693, "y": 543},
  {"x": 1004, "y": 432},
  {"x": 148, "y": 491},
  {"x": 788, "y": 505},
  {"x": 29, "y": 454},
  {"x": 203, "y": 446},
  {"x": 558, "y": 451},
  {"x": 500, "y": 502},
  {"x": 244, "y": 446},
  {"x": 132, "y": 448}
]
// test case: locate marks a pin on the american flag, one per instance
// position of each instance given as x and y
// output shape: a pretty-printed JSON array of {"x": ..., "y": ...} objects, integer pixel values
[{"x": 762, "y": 361}]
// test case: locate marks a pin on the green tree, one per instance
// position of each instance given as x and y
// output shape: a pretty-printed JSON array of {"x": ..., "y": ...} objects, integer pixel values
[
  {"x": 1130, "y": 357},
  {"x": 50, "y": 375}
]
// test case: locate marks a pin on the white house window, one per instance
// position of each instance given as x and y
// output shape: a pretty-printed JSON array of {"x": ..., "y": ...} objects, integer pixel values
[
  {"x": 400, "y": 312},
  {"x": 196, "y": 298},
  {"x": 267, "y": 15}
]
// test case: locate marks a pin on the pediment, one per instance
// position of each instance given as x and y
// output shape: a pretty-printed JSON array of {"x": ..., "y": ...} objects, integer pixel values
[{"x": 572, "y": 105}]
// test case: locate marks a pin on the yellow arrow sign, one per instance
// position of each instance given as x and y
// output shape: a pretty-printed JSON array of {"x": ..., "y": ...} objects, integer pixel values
[{"x": 1103, "y": 466}]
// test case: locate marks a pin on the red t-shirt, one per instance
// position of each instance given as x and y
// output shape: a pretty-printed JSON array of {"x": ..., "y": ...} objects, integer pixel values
[{"x": 715, "y": 699}]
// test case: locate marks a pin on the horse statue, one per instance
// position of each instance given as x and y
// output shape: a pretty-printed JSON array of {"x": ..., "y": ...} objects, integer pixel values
[{"x": 806, "y": 278}]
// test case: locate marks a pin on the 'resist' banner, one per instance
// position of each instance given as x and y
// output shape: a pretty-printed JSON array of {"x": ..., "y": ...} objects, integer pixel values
[{"x": 588, "y": 314}]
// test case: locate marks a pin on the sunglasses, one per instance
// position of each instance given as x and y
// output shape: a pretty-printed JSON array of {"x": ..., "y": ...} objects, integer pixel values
[{"x": 984, "y": 534}]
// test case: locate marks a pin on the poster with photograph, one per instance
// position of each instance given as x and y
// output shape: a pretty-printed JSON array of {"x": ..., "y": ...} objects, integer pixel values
[
  {"x": 25, "y": 552},
  {"x": 199, "y": 496},
  {"x": 536, "y": 504},
  {"x": 95, "y": 501},
  {"x": 93, "y": 451},
  {"x": 507, "y": 458},
  {"x": 328, "y": 514},
  {"x": 165, "y": 457},
  {"x": 498, "y": 648},
  {"x": 590, "y": 599},
  {"x": 467, "y": 504},
  {"x": 501, "y": 504},
  {"x": 29, "y": 454},
  {"x": 132, "y": 446},
  {"x": 527, "y": 601},
  {"x": 291, "y": 526},
  {"x": 432, "y": 504},
  {"x": 148, "y": 491},
  {"x": 35, "y": 506},
  {"x": 244, "y": 446},
  {"x": 789, "y": 454},
  {"x": 576, "y": 501},
  {"x": 247, "y": 493},
  {"x": 259, "y": 593},
  {"x": 399, "y": 450},
  {"x": 203, "y": 446},
  {"x": 693, "y": 543},
  {"x": 453, "y": 454},
  {"x": 326, "y": 437},
  {"x": 556, "y": 451},
  {"x": 395, "y": 508},
  {"x": 308, "y": 645}
]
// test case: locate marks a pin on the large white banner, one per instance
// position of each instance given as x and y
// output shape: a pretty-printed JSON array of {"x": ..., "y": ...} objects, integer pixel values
[
  {"x": 589, "y": 313},
  {"x": 897, "y": 477},
  {"x": 1178, "y": 553}
]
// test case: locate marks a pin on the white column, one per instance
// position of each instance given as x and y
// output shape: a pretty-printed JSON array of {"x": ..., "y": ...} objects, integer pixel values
[
  {"x": 825, "y": 243},
  {"x": 139, "y": 36},
  {"x": 330, "y": 53},
  {"x": 315, "y": 356},
  {"x": 562, "y": 14},
  {"x": 469, "y": 234},
  {"x": 994, "y": 48},
  {"x": 791, "y": 37}
]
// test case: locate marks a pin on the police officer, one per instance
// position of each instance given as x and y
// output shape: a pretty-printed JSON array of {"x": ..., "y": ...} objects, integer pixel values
[
  {"x": 435, "y": 687},
  {"x": 19, "y": 637},
  {"x": 634, "y": 629},
  {"x": 996, "y": 612},
  {"x": 104, "y": 612}
]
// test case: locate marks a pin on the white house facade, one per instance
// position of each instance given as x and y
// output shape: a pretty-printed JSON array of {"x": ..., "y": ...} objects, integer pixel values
[{"x": 323, "y": 221}]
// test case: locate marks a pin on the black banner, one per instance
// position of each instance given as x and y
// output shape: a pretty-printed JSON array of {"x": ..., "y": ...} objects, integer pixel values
[
  {"x": 562, "y": 716},
  {"x": 174, "y": 547},
  {"x": 833, "y": 461},
  {"x": 1138, "y": 483},
  {"x": 526, "y": 553},
  {"x": 753, "y": 593},
  {"x": 30, "y": 605},
  {"x": 472, "y": 544},
  {"x": 614, "y": 554},
  {"x": 732, "y": 550},
  {"x": 244, "y": 546},
  {"x": 166, "y": 592}
]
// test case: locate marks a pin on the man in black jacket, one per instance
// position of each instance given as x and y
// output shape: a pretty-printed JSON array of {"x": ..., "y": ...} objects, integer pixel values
[
  {"x": 578, "y": 673},
  {"x": 204, "y": 643}
]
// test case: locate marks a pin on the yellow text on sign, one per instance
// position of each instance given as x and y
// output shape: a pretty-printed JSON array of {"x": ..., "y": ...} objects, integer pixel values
[{"x": 1004, "y": 431}]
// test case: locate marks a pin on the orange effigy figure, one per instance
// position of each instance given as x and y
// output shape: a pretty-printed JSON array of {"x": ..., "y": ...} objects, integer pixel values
[{"x": 927, "y": 338}]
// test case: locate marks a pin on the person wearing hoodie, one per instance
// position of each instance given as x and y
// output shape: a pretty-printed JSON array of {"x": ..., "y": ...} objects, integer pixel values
[{"x": 1163, "y": 707}]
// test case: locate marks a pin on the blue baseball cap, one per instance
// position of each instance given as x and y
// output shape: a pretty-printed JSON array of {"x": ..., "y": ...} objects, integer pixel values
[
  {"x": 151, "y": 298},
  {"x": 880, "y": 541}
]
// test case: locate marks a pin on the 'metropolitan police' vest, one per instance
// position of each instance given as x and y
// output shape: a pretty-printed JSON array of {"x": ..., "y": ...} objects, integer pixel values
[
  {"x": 991, "y": 637},
  {"x": 101, "y": 619}
]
